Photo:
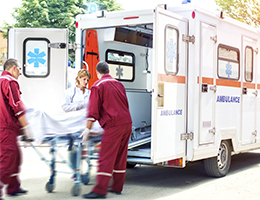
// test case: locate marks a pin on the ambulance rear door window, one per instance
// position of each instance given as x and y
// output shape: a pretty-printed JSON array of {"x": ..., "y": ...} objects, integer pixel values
[
  {"x": 36, "y": 55},
  {"x": 249, "y": 64},
  {"x": 121, "y": 65}
]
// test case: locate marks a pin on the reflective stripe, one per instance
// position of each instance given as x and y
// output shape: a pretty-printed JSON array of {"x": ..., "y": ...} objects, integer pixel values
[
  {"x": 91, "y": 119},
  {"x": 19, "y": 113},
  {"x": 119, "y": 171},
  {"x": 105, "y": 81},
  {"x": 104, "y": 173},
  {"x": 8, "y": 77},
  {"x": 14, "y": 174}
]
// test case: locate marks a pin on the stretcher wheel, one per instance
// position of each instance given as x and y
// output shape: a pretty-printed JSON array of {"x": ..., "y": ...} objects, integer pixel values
[
  {"x": 49, "y": 187},
  {"x": 85, "y": 179},
  {"x": 76, "y": 190}
]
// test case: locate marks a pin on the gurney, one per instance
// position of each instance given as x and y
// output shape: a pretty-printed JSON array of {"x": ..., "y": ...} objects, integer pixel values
[
  {"x": 57, "y": 132},
  {"x": 64, "y": 131}
]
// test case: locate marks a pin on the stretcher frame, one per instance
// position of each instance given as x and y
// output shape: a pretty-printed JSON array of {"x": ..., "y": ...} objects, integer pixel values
[{"x": 56, "y": 142}]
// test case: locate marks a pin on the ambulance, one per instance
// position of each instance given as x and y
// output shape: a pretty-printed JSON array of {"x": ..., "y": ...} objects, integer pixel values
[{"x": 192, "y": 79}]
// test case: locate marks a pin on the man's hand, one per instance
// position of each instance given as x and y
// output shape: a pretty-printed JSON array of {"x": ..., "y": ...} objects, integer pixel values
[
  {"x": 84, "y": 135},
  {"x": 28, "y": 136},
  {"x": 79, "y": 106}
]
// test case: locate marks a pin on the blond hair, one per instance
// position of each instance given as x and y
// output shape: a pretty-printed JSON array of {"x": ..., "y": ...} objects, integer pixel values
[{"x": 82, "y": 73}]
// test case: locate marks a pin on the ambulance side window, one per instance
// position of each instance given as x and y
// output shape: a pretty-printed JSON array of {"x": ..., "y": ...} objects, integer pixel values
[
  {"x": 249, "y": 64},
  {"x": 36, "y": 54},
  {"x": 121, "y": 65},
  {"x": 171, "y": 49},
  {"x": 228, "y": 62}
]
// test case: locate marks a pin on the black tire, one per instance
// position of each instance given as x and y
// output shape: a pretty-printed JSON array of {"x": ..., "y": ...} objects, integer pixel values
[
  {"x": 49, "y": 187},
  {"x": 130, "y": 165},
  {"x": 76, "y": 190},
  {"x": 219, "y": 166}
]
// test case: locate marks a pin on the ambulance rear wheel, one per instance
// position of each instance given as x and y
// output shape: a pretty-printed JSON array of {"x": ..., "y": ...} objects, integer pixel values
[{"x": 219, "y": 166}]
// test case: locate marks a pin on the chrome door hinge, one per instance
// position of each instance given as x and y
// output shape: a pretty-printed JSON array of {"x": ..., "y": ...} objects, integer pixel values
[
  {"x": 255, "y": 93},
  {"x": 74, "y": 46},
  {"x": 58, "y": 45},
  {"x": 186, "y": 136},
  {"x": 213, "y": 88},
  {"x": 187, "y": 38}
]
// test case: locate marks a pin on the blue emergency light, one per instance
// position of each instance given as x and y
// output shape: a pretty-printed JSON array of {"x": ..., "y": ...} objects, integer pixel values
[
  {"x": 186, "y": 1},
  {"x": 92, "y": 7}
]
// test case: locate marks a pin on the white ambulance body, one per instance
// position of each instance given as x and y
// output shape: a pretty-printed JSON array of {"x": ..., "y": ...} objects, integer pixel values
[{"x": 191, "y": 76}]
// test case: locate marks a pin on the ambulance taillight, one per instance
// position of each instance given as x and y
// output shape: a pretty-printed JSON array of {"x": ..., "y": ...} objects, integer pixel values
[{"x": 176, "y": 162}]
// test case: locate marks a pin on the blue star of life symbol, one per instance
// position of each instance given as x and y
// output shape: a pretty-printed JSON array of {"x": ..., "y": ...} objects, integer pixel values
[
  {"x": 36, "y": 57},
  {"x": 119, "y": 72},
  {"x": 171, "y": 50},
  {"x": 228, "y": 71}
]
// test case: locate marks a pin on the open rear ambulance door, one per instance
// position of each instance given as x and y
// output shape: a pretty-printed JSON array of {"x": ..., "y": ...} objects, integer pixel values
[
  {"x": 43, "y": 54},
  {"x": 169, "y": 82}
]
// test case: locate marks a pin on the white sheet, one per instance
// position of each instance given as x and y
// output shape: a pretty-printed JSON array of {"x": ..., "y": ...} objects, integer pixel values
[{"x": 67, "y": 123}]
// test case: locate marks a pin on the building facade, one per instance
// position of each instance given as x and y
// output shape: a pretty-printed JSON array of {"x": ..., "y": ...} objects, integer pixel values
[{"x": 3, "y": 48}]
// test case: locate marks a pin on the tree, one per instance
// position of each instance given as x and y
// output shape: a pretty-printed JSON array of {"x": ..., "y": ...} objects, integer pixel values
[
  {"x": 108, "y": 5},
  {"x": 246, "y": 11},
  {"x": 55, "y": 14}
]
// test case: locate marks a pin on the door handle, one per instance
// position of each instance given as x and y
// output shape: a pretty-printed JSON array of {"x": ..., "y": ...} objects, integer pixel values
[
  {"x": 244, "y": 90},
  {"x": 159, "y": 95},
  {"x": 204, "y": 87}
]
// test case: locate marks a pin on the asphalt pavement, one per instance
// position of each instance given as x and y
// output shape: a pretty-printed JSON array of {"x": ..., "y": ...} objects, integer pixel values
[{"x": 148, "y": 182}]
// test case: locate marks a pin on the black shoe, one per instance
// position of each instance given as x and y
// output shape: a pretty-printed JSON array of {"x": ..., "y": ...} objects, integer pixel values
[
  {"x": 20, "y": 191},
  {"x": 115, "y": 192},
  {"x": 93, "y": 195}
]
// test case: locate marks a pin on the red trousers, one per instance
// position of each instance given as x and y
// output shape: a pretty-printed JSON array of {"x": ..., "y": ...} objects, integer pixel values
[
  {"x": 113, "y": 158},
  {"x": 10, "y": 160}
]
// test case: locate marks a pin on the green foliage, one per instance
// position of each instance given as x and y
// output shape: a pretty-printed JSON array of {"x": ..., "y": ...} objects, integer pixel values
[
  {"x": 108, "y": 5},
  {"x": 246, "y": 11},
  {"x": 55, "y": 14}
]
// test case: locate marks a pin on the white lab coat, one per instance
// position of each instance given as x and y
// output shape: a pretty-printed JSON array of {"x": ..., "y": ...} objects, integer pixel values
[{"x": 75, "y": 97}]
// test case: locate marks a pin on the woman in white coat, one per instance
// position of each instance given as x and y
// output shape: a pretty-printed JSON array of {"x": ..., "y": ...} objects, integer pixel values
[{"x": 77, "y": 97}]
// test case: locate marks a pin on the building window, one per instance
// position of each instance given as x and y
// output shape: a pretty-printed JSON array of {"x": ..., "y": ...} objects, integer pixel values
[{"x": 228, "y": 62}]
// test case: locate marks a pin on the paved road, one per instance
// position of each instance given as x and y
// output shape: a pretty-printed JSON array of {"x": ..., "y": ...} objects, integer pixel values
[{"x": 149, "y": 182}]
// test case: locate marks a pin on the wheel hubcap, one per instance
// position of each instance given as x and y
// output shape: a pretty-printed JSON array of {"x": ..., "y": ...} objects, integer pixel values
[{"x": 222, "y": 156}]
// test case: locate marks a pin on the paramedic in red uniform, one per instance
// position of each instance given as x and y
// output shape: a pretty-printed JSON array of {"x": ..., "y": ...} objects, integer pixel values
[
  {"x": 12, "y": 119},
  {"x": 109, "y": 105}
]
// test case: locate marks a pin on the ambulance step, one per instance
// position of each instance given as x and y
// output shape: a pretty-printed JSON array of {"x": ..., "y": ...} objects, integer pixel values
[
  {"x": 138, "y": 143},
  {"x": 140, "y": 161}
]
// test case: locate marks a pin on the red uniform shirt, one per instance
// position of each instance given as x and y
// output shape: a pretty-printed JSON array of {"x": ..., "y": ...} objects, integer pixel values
[
  {"x": 108, "y": 103},
  {"x": 11, "y": 106}
]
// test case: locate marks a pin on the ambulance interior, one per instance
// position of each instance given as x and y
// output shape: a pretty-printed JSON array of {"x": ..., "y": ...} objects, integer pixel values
[{"x": 128, "y": 51}]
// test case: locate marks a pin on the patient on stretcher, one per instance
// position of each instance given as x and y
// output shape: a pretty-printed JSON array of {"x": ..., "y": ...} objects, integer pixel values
[{"x": 43, "y": 125}]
